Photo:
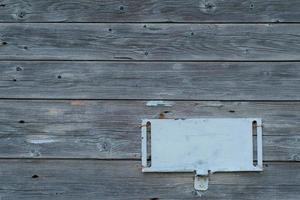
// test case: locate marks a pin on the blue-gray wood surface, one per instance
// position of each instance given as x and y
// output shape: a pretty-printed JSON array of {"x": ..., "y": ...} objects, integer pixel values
[{"x": 77, "y": 77}]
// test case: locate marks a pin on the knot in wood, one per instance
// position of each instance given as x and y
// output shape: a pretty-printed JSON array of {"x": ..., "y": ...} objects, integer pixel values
[{"x": 207, "y": 7}]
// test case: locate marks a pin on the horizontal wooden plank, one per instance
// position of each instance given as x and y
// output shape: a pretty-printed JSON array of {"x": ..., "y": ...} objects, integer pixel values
[
  {"x": 110, "y": 129},
  {"x": 91, "y": 179},
  {"x": 150, "y": 11},
  {"x": 69, "y": 41},
  {"x": 151, "y": 80}
]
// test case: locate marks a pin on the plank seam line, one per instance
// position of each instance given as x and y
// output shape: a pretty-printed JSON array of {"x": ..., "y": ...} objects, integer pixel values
[
  {"x": 147, "y": 61},
  {"x": 152, "y": 22},
  {"x": 141, "y": 100},
  {"x": 122, "y": 159}
]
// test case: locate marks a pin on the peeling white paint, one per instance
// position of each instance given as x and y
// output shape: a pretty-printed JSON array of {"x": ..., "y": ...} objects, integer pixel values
[
  {"x": 211, "y": 104},
  {"x": 160, "y": 103},
  {"x": 40, "y": 139},
  {"x": 178, "y": 66}
]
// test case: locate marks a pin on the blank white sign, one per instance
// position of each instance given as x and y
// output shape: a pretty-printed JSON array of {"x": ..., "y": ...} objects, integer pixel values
[{"x": 202, "y": 145}]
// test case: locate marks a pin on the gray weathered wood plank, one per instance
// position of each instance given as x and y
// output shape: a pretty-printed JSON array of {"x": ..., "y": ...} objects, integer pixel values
[
  {"x": 150, "y": 11},
  {"x": 110, "y": 129},
  {"x": 151, "y": 80},
  {"x": 92, "y": 179},
  {"x": 69, "y": 41}
]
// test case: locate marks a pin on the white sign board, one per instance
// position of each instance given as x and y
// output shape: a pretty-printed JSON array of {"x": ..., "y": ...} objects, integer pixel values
[{"x": 204, "y": 146}]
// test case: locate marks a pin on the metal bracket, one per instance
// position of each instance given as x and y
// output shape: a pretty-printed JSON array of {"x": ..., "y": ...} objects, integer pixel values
[
  {"x": 202, "y": 146},
  {"x": 201, "y": 182}
]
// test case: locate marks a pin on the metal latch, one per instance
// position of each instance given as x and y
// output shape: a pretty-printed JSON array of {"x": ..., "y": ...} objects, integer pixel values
[{"x": 203, "y": 146}]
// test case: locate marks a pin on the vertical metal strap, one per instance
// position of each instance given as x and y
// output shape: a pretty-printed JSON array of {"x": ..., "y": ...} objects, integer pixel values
[
  {"x": 259, "y": 146},
  {"x": 144, "y": 144}
]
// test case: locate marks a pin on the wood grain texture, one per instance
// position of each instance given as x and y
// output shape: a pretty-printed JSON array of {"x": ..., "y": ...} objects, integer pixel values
[
  {"x": 110, "y": 129},
  {"x": 69, "y": 41},
  {"x": 109, "y": 58},
  {"x": 151, "y": 80},
  {"x": 90, "y": 179},
  {"x": 149, "y": 11}
]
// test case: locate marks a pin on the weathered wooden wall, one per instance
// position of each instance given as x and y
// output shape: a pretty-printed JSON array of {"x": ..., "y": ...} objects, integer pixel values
[{"x": 77, "y": 77}]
